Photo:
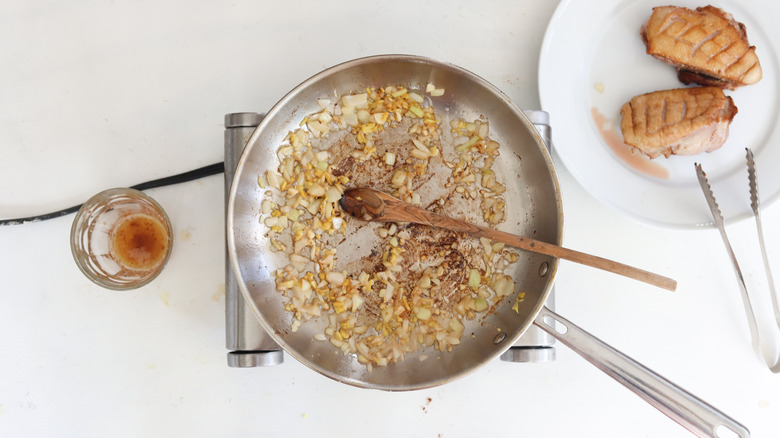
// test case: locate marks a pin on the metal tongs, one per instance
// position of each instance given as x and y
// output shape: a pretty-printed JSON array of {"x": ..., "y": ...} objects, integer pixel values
[{"x": 772, "y": 363}]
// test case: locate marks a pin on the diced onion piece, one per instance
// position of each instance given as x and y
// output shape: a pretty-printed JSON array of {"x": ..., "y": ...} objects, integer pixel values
[
  {"x": 285, "y": 151},
  {"x": 398, "y": 179},
  {"x": 456, "y": 326},
  {"x": 354, "y": 100},
  {"x": 273, "y": 179},
  {"x": 332, "y": 194},
  {"x": 270, "y": 221},
  {"x": 482, "y": 131},
  {"x": 416, "y": 110},
  {"x": 324, "y": 117},
  {"x": 474, "y": 278},
  {"x": 387, "y": 313},
  {"x": 357, "y": 301},
  {"x": 335, "y": 278},
  {"x": 419, "y": 145},
  {"x": 316, "y": 190},
  {"x": 318, "y": 128},
  {"x": 486, "y": 245},
  {"x": 398, "y": 93},
  {"x": 503, "y": 285},
  {"x": 465, "y": 146},
  {"x": 293, "y": 214},
  {"x": 480, "y": 304},
  {"x": 350, "y": 118},
  {"x": 314, "y": 206},
  {"x": 389, "y": 158},
  {"x": 266, "y": 206},
  {"x": 363, "y": 116},
  {"x": 299, "y": 262},
  {"x": 416, "y": 153}
]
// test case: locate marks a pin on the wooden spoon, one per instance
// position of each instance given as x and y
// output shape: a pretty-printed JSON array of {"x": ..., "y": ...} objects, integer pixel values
[{"x": 373, "y": 205}]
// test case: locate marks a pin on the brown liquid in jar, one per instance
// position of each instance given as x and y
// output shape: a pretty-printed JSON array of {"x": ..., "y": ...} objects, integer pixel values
[{"x": 140, "y": 242}]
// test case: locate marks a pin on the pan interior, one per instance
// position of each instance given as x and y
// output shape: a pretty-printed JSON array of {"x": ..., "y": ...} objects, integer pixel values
[{"x": 532, "y": 209}]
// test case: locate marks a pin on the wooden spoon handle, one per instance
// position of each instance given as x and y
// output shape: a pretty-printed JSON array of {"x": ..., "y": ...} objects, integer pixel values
[
  {"x": 540, "y": 247},
  {"x": 578, "y": 257}
]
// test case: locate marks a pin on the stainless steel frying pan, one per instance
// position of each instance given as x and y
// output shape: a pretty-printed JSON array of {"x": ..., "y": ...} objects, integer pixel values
[{"x": 533, "y": 208}]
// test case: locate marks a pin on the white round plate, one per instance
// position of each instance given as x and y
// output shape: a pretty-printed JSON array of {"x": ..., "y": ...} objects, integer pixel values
[{"x": 593, "y": 60}]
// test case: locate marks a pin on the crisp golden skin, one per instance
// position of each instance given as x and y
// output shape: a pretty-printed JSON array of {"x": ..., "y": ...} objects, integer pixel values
[
  {"x": 707, "y": 46},
  {"x": 684, "y": 121}
]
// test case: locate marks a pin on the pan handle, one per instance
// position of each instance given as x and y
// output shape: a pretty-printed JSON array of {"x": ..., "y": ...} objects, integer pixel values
[{"x": 678, "y": 404}]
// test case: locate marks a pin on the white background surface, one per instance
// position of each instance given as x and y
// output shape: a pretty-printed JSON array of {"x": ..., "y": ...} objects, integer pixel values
[{"x": 102, "y": 94}]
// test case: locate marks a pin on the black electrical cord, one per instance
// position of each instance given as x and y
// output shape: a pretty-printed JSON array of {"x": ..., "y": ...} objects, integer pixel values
[{"x": 212, "y": 169}]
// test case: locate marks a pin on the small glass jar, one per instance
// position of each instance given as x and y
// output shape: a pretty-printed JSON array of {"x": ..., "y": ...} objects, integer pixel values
[{"x": 121, "y": 239}]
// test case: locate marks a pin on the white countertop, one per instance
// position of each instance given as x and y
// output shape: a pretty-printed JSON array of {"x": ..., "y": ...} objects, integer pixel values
[{"x": 103, "y": 94}]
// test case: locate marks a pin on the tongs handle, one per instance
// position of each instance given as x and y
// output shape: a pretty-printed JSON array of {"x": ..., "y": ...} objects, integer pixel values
[{"x": 772, "y": 363}]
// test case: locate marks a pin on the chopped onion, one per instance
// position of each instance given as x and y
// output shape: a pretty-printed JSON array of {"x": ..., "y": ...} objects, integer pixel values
[
  {"x": 354, "y": 100},
  {"x": 266, "y": 206},
  {"x": 474, "y": 278},
  {"x": 293, "y": 214},
  {"x": 316, "y": 190},
  {"x": 465, "y": 146},
  {"x": 416, "y": 97},
  {"x": 398, "y": 179},
  {"x": 299, "y": 262},
  {"x": 273, "y": 179},
  {"x": 416, "y": 110},
  {"x": 304, "y": 209},
  {"x": 351, "y": 119},
  {"x": 335, "y": 278},
  {"x": 324, "y": 117}
]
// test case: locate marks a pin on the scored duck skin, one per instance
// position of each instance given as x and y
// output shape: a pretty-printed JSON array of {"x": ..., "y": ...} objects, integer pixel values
[
  {"x": 683, "y": 121},
  {"x": 707, "y": 46}
]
